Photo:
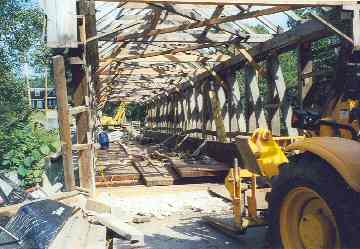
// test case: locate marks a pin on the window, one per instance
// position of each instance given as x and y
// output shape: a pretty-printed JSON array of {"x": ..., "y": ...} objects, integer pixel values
[
  {"x": 40, "y": 104},
  {"x": 37, "y": 92}
]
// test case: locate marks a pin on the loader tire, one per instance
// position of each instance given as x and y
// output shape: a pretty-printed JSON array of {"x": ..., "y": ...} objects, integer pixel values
[{"x": 311, "y": 206}]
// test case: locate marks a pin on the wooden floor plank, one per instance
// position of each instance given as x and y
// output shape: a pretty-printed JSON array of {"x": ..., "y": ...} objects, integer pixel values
[
  {"x": 154, "y": 175},
  {"x": 115, "y": 168},
  {"x": 185, "y": 169}
]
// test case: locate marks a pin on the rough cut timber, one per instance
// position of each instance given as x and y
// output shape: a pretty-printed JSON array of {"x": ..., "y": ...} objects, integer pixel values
[{"x": 79, "y": 233}]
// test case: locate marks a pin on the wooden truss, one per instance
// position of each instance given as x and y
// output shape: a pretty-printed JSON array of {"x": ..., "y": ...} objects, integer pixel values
[{"x": 180, "y": 57}]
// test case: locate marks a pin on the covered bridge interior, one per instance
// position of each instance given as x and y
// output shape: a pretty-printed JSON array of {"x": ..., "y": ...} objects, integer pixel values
[{"x": 205, "y": 72}]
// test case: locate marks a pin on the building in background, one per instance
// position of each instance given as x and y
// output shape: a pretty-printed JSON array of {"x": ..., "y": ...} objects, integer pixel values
[{"x": 38, "y": 98}]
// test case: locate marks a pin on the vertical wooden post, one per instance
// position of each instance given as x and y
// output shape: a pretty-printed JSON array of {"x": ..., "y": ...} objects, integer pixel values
[
  {"x": 277, "y": 79},
  {"x": 205, "y": 111},
  {"x": 216, "y": 110},
  {"x": 305, "y": 65},
  {"x": 277, "y": 89},
  {"x": 252, "y": 94},
  {"x": 356, "y": 23},
  {"x": 64, "y": 122},
  {"x": 84, "y": 79}
]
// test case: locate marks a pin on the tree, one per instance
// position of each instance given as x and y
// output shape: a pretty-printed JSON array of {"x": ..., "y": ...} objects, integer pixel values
[
  {"x": 23, "y": 143},
  {"x": 20, "y": 29}
]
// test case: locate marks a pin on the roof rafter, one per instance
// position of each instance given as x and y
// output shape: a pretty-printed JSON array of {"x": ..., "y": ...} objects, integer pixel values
[{"x": 208, "y": 22}]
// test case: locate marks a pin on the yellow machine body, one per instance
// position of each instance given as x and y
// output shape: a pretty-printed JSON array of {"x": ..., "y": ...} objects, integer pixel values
[
  {"x": 269, "y": 155},
  {"x": 342, "y": 154},
  {"x": 118, "y": 119}
]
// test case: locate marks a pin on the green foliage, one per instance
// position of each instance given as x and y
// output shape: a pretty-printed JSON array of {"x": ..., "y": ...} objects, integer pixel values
[
  {"x": 20, "y": 30},
  {"x": 24, "y": 144},
  {"x": 24, "y": 147},
  {"x": 135, "y": 112}
]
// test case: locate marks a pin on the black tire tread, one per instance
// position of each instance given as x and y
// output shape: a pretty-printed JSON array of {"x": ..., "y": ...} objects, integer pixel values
[{"x": 311, "y": 171}]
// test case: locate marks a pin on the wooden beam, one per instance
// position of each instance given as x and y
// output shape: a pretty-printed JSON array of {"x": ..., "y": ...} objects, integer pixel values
[
  {"x": 305, "y": 67},
  {"x": 195, "y": 16},
  {"x": 78, "y": 109},
  {"x": 217, "y": 12},
  {"x": 176, "y": 58},
  {"x": 309, "y": 31},
  {"x": 166, "y": 52},
  {"x": 205, "y": 23},
  {"x": 111, "y": 34},
  {"x": 356, "y": 24},
  {"x": 250, "y": 59},
  {"x": 332, "y": 27},
  {"x": 146, "y": 71},
  {"x": 217, "y": 116},
  {"x": 86, "y": 81},
  {"x": 194, "y": 37},
  {"x": 64, "y": 122},
  {"x": 245, "y": 2}
]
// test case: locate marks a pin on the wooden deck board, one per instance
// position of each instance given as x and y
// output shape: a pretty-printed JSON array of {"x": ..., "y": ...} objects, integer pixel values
[
  {"x": 154, "y": 175},
  {"x": 185, "y": 169},
  {"x": 114, "y": 168}
]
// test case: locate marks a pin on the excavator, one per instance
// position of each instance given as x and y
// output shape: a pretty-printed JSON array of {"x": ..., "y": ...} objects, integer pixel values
[
  {"x": 312, "y": 181},
  {"x": 118, "y": 119}
]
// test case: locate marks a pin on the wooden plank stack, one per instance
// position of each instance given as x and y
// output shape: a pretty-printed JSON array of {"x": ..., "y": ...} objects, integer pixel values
[{"x": 134, "y": 164}]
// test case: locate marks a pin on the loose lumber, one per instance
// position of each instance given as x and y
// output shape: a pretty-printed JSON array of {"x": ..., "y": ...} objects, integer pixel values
[
  {"x": 121, "y": 228},
  {"x": 12, "y": 210},
  {"x": 222, "y": 193},
  {"x": 97, "y": 206},
  {"x": 79, "y": 233}
]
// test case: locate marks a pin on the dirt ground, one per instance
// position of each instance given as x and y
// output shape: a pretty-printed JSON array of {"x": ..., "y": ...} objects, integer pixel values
[
  {"x": 180, "y": 232},
  {"x": 175, "y": 214}
]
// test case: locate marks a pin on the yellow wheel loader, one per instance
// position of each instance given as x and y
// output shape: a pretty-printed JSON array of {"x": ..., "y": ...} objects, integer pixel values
[
  {"x": 313, "y": 181},
  {"x": 118, "y": 119}
]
